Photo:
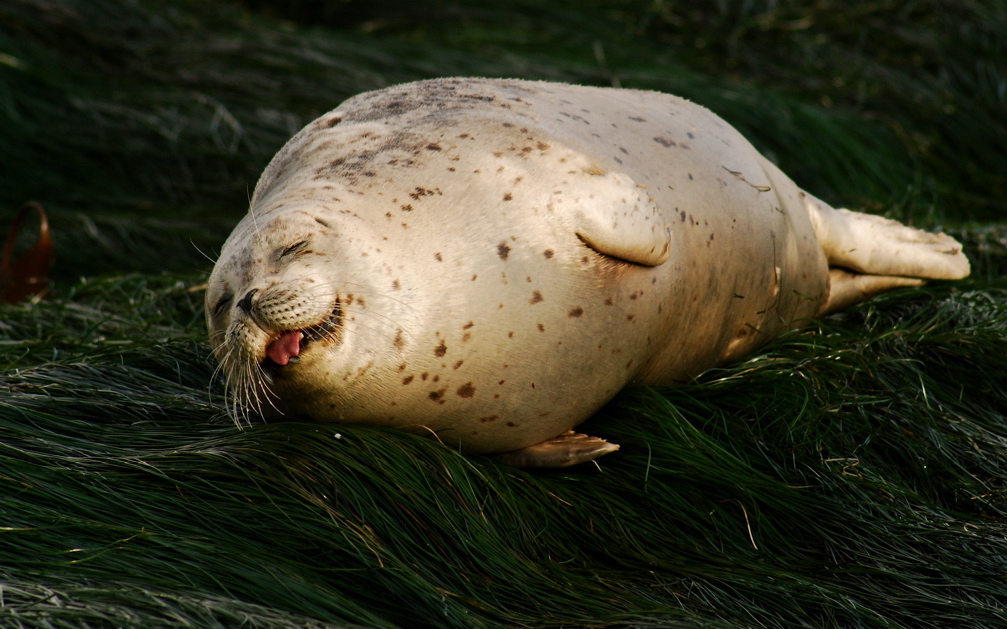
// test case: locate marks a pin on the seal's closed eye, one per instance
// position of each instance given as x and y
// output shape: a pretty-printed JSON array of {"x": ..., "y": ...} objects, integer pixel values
[
  {"x": 294, "y": 249},
  {"x": 222, "y": 304}
]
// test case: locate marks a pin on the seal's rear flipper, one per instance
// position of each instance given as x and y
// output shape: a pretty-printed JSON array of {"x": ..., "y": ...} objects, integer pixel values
[
  {"x": 869, "y": 254},
  {"x": 567, "y": 449},
  {"x": 873, "y": 245},
  {"x": 846, "y": 289}
]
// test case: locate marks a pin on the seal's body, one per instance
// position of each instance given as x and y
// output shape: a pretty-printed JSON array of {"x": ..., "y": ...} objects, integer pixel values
[{"x": 491, "y": 261}]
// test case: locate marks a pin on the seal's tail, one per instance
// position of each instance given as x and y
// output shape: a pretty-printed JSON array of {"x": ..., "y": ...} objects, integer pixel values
[{"x": 869, "y": 254}]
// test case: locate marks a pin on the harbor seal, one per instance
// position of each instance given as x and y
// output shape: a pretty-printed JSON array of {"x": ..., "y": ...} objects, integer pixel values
[{"x": 490, "y": 261}]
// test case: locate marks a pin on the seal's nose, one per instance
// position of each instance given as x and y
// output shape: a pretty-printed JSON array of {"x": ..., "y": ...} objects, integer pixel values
[{"x": 246, "y": 302}]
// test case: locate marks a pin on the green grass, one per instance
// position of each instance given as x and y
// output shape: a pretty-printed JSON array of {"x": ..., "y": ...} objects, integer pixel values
[{"x": 851, "y": 474}]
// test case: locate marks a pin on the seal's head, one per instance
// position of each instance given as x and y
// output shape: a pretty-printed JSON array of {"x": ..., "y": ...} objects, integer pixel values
[{"x": 268, "y": 305}]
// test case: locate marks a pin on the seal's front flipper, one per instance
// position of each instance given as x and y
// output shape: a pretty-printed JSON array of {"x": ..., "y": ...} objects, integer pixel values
[
  {"x": 873, "y": 245},
  {"x": 567, "y": 449},
  {"x": 616, "y": 217}
]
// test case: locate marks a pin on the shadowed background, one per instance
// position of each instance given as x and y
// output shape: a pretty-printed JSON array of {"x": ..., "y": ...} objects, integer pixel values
[{"x": 849, "y": 475}]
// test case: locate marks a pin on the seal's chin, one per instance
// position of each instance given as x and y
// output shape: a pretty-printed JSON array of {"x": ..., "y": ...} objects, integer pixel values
[{"x": 288, "y": 346}]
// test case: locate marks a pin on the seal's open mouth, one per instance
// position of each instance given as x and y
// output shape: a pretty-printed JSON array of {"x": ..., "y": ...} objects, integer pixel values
[{"x": 286, "y": 348}]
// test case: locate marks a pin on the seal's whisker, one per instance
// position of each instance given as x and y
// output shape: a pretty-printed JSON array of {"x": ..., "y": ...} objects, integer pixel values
[
  {"x": 196, "y": 247},
  {"x": 242, "y": 399},
  {"x": 340, "y": 285},
  {"x": 219, "y": 372},
  {"x": 391, "y": 330},
  {"x": 267, "y": 391},
  {"x": 239, "y": 398}
]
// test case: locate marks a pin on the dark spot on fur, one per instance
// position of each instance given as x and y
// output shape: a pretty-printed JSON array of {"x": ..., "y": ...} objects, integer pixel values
[
  {"x": 468, "y": 325},
  {"x": 541, "y": 328},
  {"x": 438, "y": 257},
  {"x": 399, "y": 342},
  {"x": 535, "y": 297},
  {"x": 437, "y": 396},
  {"x": 665, "y": 142},
  {"x": 490, "y": 418},
  {"x": 459, "y": 364},
  {"x": 407, "y": 379},
  {"x": 322, "y": 223},
  {"x": 575, "y": 312},
  {"x": 440, "y": 350},
  {"x": 407, "y": 207},
  {"x": 548, "y": 253},
  {"x": 433, "y": 146},
  {"x": 422, "y": 192},
  {"x": 503, "y": 250},
  {"x": 637, "y": 119},
  {"x": 508, "y": 196},
  {"x": 466, "y": 390}
]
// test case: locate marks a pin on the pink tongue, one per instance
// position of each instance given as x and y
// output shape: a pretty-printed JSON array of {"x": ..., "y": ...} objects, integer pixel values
[{"x": 283, "y": 348}]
